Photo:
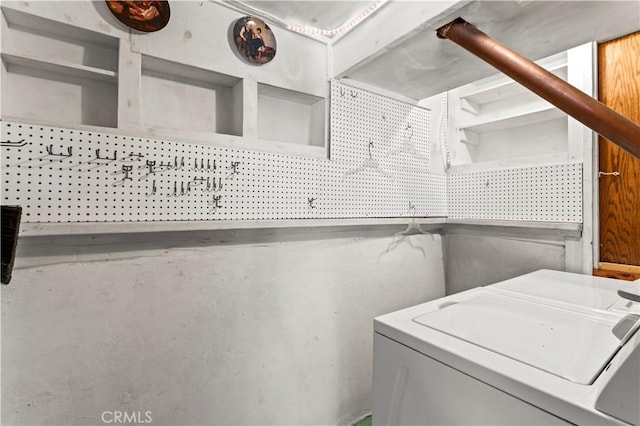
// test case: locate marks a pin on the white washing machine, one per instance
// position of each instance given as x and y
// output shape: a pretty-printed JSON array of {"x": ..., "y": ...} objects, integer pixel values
[{"x": 546, "y": 348}]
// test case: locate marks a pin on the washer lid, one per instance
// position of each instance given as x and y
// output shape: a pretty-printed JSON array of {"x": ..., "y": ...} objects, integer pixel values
[
  {"x": 575, "y": 344},
  {"x": 582, "y": 290}
]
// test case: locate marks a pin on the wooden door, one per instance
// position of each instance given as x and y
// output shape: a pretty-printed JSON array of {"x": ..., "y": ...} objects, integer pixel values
[{"x": 619, "y": 88}]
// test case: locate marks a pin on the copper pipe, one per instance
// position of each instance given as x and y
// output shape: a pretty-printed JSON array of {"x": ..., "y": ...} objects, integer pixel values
[{"x": 593, "y": 114}]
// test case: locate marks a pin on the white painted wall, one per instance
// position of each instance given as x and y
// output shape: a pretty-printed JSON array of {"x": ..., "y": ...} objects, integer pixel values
[
  {"x": 478, "y": 259},
  {"x": 275, "y": 330},
  {"x": 229, "y": 327}
]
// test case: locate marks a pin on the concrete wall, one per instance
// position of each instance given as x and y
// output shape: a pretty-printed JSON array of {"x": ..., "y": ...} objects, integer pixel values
[
  {"x": 474, "y": 259},
  {"x": 245, "y": 327}
]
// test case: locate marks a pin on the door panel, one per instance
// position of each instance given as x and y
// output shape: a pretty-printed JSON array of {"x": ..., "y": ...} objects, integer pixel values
[{"x": 619, "y": 88}]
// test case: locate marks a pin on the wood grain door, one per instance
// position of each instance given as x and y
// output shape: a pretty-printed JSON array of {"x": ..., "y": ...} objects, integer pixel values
[{"x": 619, "y": 181}]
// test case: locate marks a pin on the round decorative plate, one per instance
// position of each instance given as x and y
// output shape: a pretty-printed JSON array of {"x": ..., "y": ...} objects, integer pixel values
[
  {"x": 147, "y": 16},
  {"x": 253, "y": 40}
]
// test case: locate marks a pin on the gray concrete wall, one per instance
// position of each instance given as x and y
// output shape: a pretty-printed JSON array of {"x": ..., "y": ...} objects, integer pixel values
[
  {"x": 268, "y": 329},
  {"x": 474, "y": 260}
]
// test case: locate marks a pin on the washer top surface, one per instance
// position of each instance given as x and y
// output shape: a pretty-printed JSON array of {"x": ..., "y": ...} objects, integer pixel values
[
  {"x": 572, "y": 344},
  {"x": 582, "y": 290}
]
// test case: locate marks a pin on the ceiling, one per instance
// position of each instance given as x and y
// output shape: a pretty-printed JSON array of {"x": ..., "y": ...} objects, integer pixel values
[
  {"x": 423, "y": 65},
  {"x": 321, "y": 15},
  {"x": 419, "y": 64}
]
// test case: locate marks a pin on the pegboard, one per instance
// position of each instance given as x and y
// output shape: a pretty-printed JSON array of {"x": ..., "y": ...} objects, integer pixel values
[
  {"x": 64, "y": 175},
  {"x": 69, "y": 175},
  {"x": 366, "y": 126},
  {"x": 371, "y": 193},
  {"x": 542, "y": 193}
]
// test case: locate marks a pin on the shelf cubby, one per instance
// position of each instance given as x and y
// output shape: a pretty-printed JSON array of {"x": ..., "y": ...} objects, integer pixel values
[
  {"x": 290, "y": 117},
  {"x": 181, "y": 97},
  {"x": 58, "y": 73}
]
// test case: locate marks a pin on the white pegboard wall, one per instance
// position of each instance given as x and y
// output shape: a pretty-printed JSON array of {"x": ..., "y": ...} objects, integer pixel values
[
  {"x": 550, "y": 193},
  {"x": 67, "y": 175},
  {"x": 399, "y": 132},
  {"x": 64, "y": 175}
]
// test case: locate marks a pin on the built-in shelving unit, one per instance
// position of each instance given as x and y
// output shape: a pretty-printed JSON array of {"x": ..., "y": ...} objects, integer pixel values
[
  {"x": 290, "y": 117},
  {"x": 201, "y": 100},
  {"x": 61, "y": 74},
  {"x": 497, "y": 118},
  {"x": 56, "y": 72}
]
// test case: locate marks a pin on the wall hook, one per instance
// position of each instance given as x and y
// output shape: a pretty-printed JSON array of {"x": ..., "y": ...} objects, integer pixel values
[
  {"x": 162, "y": 167},
  {"x": 175, "y": 163},
  {"x": 13, "y": 144},
  {"x": 61, "y": 154},
  {"x": 234, "y": 169},
  {"x": 211, "y": 185},
  {"x": 98, "y": 157},
  {"x": 215, "y": 202},
  {"x": 197, "y": 181},
  {"x": 175, "y": 190},
  {"x": 311, "y": 202},
  {"x": 153, "y": 189},
  {"x": 126, "y": 170},
  {"x": 132, "y": 157},
  {"x": 150, "y": 166}
]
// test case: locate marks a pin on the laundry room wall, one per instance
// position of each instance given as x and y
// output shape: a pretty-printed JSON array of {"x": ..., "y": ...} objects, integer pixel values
[
  {"x": 482, "y": 258},
  {"x": 501, "y": 145},
  {"x": 245, "y": 326},
  {"x": 231, "y": 328}
]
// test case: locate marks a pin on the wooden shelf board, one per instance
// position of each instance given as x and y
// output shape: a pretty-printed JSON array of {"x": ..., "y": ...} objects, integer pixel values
[
  {"x": 66, "y": 68},
  {"x": 539, "y": 114},
  {"x": 501, "y": 88},
  {"x": 80, "y": 228}
]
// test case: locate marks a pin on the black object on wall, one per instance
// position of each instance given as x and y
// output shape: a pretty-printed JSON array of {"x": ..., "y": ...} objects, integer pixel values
[{"x": 10, "y": 226}]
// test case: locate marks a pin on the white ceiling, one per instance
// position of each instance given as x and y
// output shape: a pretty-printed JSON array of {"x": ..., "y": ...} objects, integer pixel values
[
  {"x": 423, "y": 65},
  {"x": 419, "y": 64},
  {"x": 322, "y": 15}
]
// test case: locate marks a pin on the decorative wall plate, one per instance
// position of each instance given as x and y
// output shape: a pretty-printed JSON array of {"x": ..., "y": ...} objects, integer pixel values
[
  {"x": 253, "y": 40},
  {"x": 147, "y": 16}
]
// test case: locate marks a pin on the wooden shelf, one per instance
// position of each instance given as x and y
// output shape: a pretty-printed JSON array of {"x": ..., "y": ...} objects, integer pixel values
[
  {"x": 83, "y": 228},
  {"x": 60, "y": 67},
  {"x": 494, "y": 89},
  {"x": 434, "y": 225},
  {"x": 512, "y": 118}
]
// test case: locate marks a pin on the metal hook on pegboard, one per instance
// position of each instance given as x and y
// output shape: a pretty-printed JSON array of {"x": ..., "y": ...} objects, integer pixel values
[
  {"x": 13, "y": 144},
  {"x": 69, "y": 152},
  {"x": 126, "y": 170},
  {"x": 215, "y": 202},
  {"x": 132, "y": 157},
  {"x": 196, "y": 181},
  {"x": 109, "y": 159},
  {"x": 234, "y": 169},
  {"x": 153, "y": 189},
  {"x": 175, "y": 163}
]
